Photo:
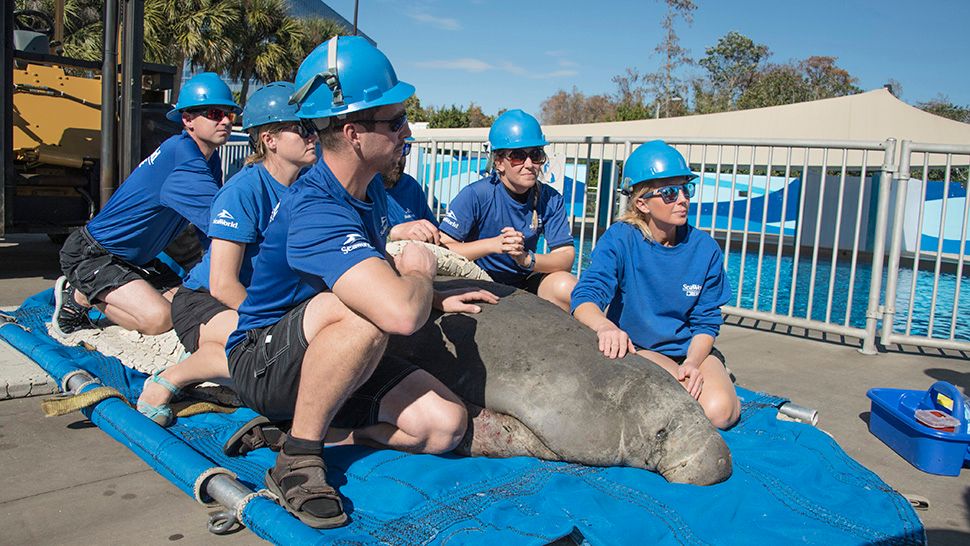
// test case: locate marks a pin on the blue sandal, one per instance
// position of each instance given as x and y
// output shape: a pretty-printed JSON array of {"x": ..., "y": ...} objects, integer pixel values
[{"x": 162, "y": 414}]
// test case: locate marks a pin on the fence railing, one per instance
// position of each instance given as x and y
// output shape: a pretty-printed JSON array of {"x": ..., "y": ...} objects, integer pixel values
[
  {"x": 805, "y": 226},
  {"x": 923, "y": 304}
]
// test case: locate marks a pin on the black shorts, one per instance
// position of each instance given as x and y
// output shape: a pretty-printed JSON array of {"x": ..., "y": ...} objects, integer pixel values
[
  {"x": 714, "y": 352},
  {"x": 92, "y": 270},
  {"x": 531, "y": 283},
  {"x": 190, "y": 310},
  {"x": 265, "y": 368}
]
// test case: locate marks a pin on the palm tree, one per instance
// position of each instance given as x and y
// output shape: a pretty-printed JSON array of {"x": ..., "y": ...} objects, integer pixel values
[
  {"x": 317, "y": 30},
  {"x": 266, "y": 43},
  {"x": 83, "y": 26},
  {"x": 193, "y": 30}
]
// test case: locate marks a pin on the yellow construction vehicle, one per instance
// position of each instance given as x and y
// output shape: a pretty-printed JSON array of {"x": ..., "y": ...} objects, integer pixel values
[{"x": 53, "y": 143}]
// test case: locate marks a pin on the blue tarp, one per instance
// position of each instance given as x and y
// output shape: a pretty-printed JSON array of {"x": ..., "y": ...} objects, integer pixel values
[{"x": 791, "y": 482}]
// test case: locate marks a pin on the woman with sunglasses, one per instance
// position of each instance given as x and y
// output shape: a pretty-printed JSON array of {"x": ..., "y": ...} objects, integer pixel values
[
  {"x": 661, "y": 283},
  {"x": 497, "y": 221},
  {"x": 111, "y": 262},
  {"x": 204, "y": 307}
]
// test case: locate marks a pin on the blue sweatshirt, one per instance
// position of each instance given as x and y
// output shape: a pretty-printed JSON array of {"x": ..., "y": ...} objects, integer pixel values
[
  {"x": 660, "y": 296},
  {"x": 171, "y": 188}
]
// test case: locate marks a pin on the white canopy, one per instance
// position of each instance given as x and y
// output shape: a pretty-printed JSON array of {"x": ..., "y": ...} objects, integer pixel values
[{"x": 871, "y": 116}]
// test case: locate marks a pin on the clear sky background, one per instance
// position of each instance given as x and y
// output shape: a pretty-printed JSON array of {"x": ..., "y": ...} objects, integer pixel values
[{"x": 515, "y": 54}]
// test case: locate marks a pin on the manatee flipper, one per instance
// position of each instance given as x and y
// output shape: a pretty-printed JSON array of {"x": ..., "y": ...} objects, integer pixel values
[
  {"x": 525, "y": 358},
  {"x": 496, "y": 435}
]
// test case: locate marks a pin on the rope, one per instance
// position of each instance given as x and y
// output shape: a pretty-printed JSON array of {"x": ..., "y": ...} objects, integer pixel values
[{"x": 64, "y": 404}]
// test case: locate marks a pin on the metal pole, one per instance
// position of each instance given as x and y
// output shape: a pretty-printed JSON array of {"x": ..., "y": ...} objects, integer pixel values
[
  {"x": 131, "y": 71},
  {"x": 109, "y": 97},
  {"x": 879, "y": 248},
  {"x": 7, "y": 174},
  {"x": 58, "y": 22},
  {"x": 896, "y": 243},
  {"x": 356, "y": 5}
]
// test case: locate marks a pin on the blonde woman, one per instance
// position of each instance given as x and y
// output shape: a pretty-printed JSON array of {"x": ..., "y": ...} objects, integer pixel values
[
  {"x": 656, "y": 285},
  {"x": 204, "y": 308}
]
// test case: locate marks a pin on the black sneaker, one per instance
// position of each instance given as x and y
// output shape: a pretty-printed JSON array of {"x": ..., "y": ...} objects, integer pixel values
[{"x": 69, "y": 315}]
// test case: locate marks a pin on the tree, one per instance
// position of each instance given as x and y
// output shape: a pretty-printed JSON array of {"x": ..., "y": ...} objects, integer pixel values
[
  {"x": 776, "y": 84},
  {"x": 414, "y": 110},
  {"x": 83, "y": 26},
  {"x": 825, "y": 80},
  {"x": 732, "y": 65},
  {"x": 267, "y": 44},
  {"x": 673, "y": 56},
  {"x": 630, "y": 97},
  {"x": 943, "y": 107},
  {"x": 193, "y": 30},
  {"x": 317, "y": 30},
  {"x": 477, "y": 118},
  {"x": 564, "y": 108}
]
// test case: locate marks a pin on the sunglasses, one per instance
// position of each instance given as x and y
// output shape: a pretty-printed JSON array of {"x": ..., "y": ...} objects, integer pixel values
[
  {"x": 669, "y": 193},
  {"x": 215, "y": 114},
  {"x": 394, "y": 124},
  {"x": 302, "y": 129},
  {"x": 518, "y": 156}
]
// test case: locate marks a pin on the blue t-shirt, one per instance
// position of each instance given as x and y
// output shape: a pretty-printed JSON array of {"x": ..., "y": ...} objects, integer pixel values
[
  {"x": 240, "y": 212},
  {"x": 170, "y": 188},
  {"x": 660, "y": 296},
  {"x": 483, "y": 208},
  {"x": 320, "y": 231},
  {"x": 408, "y": 202}
]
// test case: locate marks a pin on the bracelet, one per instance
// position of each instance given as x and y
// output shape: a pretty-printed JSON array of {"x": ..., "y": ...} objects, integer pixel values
[{"x": 532, "y": 261}]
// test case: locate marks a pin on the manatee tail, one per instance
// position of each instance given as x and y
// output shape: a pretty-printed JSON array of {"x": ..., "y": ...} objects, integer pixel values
[{"x": 497, "y": 435}]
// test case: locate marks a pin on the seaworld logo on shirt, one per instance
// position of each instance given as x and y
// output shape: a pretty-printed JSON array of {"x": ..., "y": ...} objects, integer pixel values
[
  {"x": 692, "y": 290},
  {"x": 451, "y": 219},
  {"x": 385, "y": 226},
  {"x": 225, "y": 219},
  {"x": 151, "y": 159},
  {"x": 353, "y": 242}
]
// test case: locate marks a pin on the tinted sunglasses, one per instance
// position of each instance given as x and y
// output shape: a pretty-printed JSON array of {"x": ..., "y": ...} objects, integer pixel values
[
  {"x": 303, "y": 130},
  {"x": 669, "y": 193},
  {"x": 394, "y": 124},
  {"x": 215, "y": 114},
  {"x": 518, "y": 156}
]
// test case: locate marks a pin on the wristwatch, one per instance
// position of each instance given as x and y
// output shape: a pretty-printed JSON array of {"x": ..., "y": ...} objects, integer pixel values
[{"x": 532, "y": 261}]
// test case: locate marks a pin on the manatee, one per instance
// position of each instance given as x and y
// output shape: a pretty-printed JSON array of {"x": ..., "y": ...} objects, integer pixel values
[{"x": 530, "y": 363}]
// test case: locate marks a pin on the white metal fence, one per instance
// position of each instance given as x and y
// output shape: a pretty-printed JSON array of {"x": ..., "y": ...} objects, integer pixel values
[{"x": 806, "y": 226}]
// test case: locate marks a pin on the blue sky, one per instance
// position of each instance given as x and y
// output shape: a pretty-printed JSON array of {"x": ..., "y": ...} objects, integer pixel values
[{"x": 514, "y": 54}]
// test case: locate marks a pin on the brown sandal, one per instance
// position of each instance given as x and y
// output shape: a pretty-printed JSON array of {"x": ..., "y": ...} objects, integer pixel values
[{"x": 300, "y": 485}]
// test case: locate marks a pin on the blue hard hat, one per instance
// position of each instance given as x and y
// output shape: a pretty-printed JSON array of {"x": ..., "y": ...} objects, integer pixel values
[
  {"x": 651, "y": 161},
  {"x": 346, "y": 74},
  {"x": 205, "y": 89},
  {"x": 515, "y": 129},
  {"x": 270, "y": 104}
]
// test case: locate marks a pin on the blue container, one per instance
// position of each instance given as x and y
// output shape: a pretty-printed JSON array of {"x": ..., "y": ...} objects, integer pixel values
[{"x": 931, "y": 450}]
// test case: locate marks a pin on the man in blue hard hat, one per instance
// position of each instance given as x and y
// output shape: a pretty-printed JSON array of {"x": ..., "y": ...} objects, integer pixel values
[
  {"x": 111, "y": 262},
  {"x": 324, "y": 296}
]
